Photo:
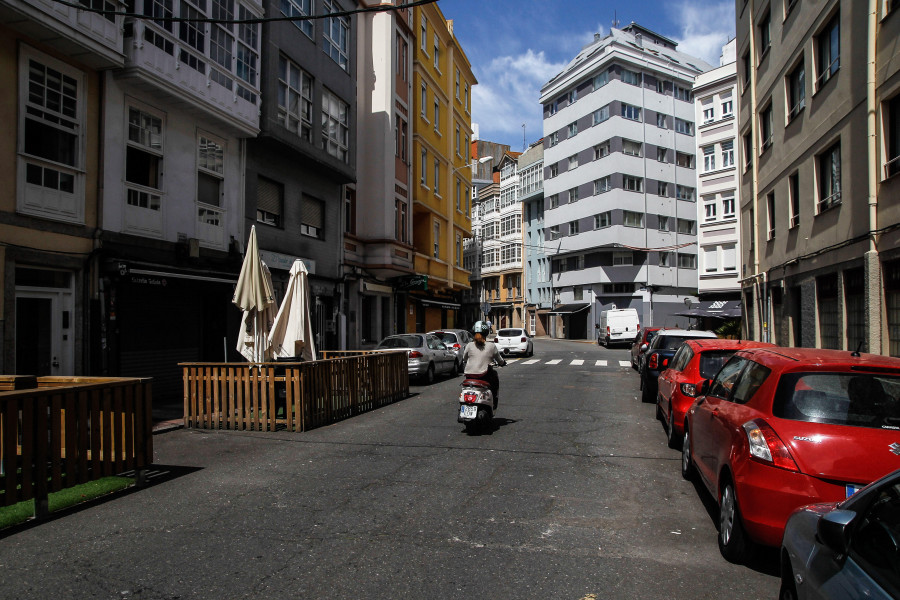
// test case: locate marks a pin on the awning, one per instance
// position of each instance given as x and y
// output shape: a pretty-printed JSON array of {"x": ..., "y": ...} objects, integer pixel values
[
  {"x": 439, "y": 303},
  {"x": 501, "y": 305},
  {"x": 720, "y": 309},
  {"x": 567, "y": 309}
]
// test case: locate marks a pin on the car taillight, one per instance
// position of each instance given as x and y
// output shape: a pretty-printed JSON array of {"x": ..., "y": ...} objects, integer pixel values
[
  {"x": 653, "y": 362},
  {"x": 415, "y": 354},
  {"x": 524, "y": 339},
  {"x": 767, "y": 447},
  {"x": 456, "y": 346},
  {"x": 607, "y": 330},
  {"x": 689, "y": 389},
  {"x": 470, "y": 397},
  {"x": 665, "y": 363}
]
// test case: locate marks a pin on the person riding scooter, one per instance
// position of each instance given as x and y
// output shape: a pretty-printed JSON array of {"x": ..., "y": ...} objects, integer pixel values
[{"x": 478, "y": 356}]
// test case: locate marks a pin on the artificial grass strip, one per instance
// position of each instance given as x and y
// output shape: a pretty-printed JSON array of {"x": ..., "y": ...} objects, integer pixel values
[{"x": 22, "y": 511}]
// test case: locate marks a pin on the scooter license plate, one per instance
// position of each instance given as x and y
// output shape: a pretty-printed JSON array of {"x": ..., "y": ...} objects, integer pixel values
[{"x": 468, "y": 412}]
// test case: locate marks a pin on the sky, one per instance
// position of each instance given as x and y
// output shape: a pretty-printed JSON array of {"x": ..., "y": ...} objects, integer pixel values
[{"x": 516, "y": 46}]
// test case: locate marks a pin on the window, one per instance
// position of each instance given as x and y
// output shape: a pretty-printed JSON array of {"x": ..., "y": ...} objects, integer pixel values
[
  {"x": 710, "y": 259},
  {"x": 554, "y": 170},
  {"x": 402, "y": 57},
  {"x": 573, "y": 162},
  {"x": 770, "y": 214},
  {"x": 727, "y": 108},
  {"x": 682, "y": 159},
  {"x": 437, "y": 115},
  {"x": 466, "y": 98},
  {"x": 709, "y": 114},
  {"x": 601, "y": 150},
  {"x": 829, "y": 51},
  {"x": 602, "y": 185},
  {"x": 765, "y": 127},
  {"x": 631, "y": 77},
  {"x": 685, "y": 127},
  {"x": 423, "y": 37},
  {"x": 458, "y": 195},
  {"x": 193, "y": 34},
  {"x": 573, "y": 195},
  {"x": 687, "y": 226},
  {"x": 143, "y": 160},
  {"x": 423, "y": 102},
  {"x": 632, "y": 183},
  {"x": 554, "y": 138},
  {"x": 350, "y": 210},
  {"x": 554, "y": 201},
  {"x": 457, "y": 142},
  {"x": 337, "y": 36},
  {"x": 709, "y": 211},
  {"x": 683, "y": 192},
  {"x": 830, "y": 178},
  {"x": 729, "y": 257},
  {"x": 727, "y": 154},
  {"x": 298, "y": 8},
  {"x": 748, "y": 69},
  {"x": 247, "y": 54},
  {"x": 662, "y": 189},
  {"x": 623, "y": 259},
  {"x": 572, "y": 130},
  {"x": 829, "y": 311},
  {"x": 437, "y": 54},
  {"x": 600, "y": 115},
  {"x": 554, "y": 232},
  {"x": 423, "y": 174},
  {"x": 662, "y": 155},
  {"x": 661, "y": 121},
  {"x": 631, "y": 148},
  {"x": 660, "y": 86},
  {"x": 269, "y": 202},
  {"x": 437, "y": 177},
  {"x": 457, "y": 84},
  {"x": 312, "y": 217},
  {"x": 748, "y": 150},
  {"x": 892, "y": 167},
  {"x": 437, "y": 239},
  {"x": 632, "y": 219},
  {"x": 210, "y": 172},
  {"x": 335, "y": 126},
  {"x": 295, "y": 98},
  {"x": 600, "y": 80},
  {"x": 796, "y": 90},
  {"x": 662, "y": 223},
  {"x": 458, "y": 249},
  {"x": 573, "y": 227},
  {"x": 602, "y": 220},
  {"x": 684, "y": 94},
  {"x": 687, "y": 261},
  {"x": 51, "y": 125},
  {"x": 665, "y": 259},
  {"x": 632, "y": 112},
  {"x": 404, "y": 139},
  {"x": 551, "y": 108},
  {"x": 794, "y": 190},
  {"x": 709, "y": 158},
  {"x": 765, "y": 39}
]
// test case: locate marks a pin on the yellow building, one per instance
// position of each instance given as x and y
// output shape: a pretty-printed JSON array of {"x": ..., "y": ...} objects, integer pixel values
[{"x": 442, "y": 90}]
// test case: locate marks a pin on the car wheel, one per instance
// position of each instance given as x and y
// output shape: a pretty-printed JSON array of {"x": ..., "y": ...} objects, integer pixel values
[
  {"x": 607, "y": 342},
  {"x": 671, "y": 439},
  {"x": 687, "y": 466},
  {"x": 788, "y": 589},
  {"x": 429, "y": 375},
  {"x": 733, "y": 542},
  {"x": 633, "y": 364}
]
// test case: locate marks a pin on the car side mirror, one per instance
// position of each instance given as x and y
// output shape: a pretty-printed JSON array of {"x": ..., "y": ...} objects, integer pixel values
[
  {"x": 644, "y": 347},
  {"x": 833, "y": 530},
  {"x": 704, "y": 387}
]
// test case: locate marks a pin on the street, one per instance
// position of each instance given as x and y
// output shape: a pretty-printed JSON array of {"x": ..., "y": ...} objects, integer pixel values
[{"x": 573, "y": 495}]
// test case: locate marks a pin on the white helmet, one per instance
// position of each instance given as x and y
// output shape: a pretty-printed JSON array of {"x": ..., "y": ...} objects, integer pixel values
[{"x": 483, "y": 327}]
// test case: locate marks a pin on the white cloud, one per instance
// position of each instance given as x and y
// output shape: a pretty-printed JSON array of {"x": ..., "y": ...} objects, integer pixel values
[
  {"x": 705, "y": 27},
  {"x": 507, "y": 96}
]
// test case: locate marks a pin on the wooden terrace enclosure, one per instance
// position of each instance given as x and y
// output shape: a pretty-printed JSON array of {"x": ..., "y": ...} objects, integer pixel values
[
  {"x": 292, "y": 396},
  {"x": 57, "y": 432}
]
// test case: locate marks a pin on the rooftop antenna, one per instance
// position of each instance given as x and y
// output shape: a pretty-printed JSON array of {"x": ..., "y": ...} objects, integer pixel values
[
  {"x": 615, "y": 22},
  {"x": 858, "y": 348},
  {"x": 524, "y": 143}
]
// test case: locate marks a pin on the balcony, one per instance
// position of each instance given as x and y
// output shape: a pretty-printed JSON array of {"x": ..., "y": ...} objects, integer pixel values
[
  {"x": 90, "y": 38},
  {"x": 158, "y": 61}
]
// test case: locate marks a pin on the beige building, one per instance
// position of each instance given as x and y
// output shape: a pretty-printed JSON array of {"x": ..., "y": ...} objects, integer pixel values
[{"x": 820, "y": 195}]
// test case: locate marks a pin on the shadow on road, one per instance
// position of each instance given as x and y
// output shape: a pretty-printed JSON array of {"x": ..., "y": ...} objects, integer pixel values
[{"x": 496, "y": 424}]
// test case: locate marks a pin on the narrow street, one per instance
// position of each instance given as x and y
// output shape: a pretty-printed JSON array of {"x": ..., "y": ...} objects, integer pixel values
[{"x": 573, "y": 495}]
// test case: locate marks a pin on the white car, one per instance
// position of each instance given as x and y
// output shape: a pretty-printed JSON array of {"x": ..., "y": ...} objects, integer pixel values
[{"x": 514, "y": 340}]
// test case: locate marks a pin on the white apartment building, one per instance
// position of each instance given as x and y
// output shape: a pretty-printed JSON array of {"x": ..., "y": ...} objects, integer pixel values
[{"x": 620, "y": 181}]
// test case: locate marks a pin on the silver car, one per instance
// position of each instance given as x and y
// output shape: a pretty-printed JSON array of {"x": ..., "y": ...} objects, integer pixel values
[
  {"x": 846, "y": 550},
  {"x": 456, "y": 340},
  {"x": 514, "y": 340},
  {"x": 427, "y": 355}
]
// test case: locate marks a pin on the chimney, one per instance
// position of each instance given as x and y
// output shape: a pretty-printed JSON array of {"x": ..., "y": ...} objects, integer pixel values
[
  {"x": 639, "y": 40},
  {"x": 596, "y": 37}
]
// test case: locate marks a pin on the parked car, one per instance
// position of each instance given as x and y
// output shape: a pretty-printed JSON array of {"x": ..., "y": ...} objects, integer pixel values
[
  {"x": 456, "y": 340},
  {"x": 644, "y": 336},
  {"x": 427, "y": 355},
  {"x": 695, "y": 361},
  {"x": 514, "y": 340},
  {"x": 658, "y": 354},
  {"x": 617, "y": 326},
  {"x": 778, "y": 428},
  {"x": 849, "y": 549}
]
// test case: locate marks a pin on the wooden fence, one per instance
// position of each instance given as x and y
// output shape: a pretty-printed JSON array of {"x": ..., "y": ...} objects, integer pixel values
[
  {"x": 57, "y": 432},
  {"x": 292, "y": 396}
]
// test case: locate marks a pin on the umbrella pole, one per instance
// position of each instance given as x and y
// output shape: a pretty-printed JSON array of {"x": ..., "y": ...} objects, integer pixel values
[{"x": 225, "y": 348}]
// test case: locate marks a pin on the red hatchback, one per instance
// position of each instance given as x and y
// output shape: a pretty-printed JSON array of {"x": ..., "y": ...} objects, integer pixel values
[
  {"x": 696, "y": 360},
  {"x": 779, "y": 428}
]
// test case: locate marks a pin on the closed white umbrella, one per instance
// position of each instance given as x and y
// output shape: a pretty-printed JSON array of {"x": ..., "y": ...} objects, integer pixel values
[
  {"x": 292, "y": 334},
  {"x": 254, "y": 296}
]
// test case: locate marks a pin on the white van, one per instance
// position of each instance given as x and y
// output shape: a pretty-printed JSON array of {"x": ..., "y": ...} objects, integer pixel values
[{"x": 618, "y": 326}]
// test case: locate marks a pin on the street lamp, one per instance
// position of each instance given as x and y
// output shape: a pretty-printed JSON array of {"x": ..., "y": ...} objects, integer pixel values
[{"x": 474, "y": 163}]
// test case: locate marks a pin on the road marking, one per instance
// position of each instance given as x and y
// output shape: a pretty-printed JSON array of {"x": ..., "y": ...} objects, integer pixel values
[
  {"x": 624, "y": 363},
  {"x": 531, "y": 362},
  {"x": 578, "y": 361},
  {"x": 555, "y": 361},
  {"x": 601, "y": 363}
]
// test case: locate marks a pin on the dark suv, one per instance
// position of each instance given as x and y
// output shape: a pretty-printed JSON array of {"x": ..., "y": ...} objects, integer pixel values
[{"x": 656, "y": 357}]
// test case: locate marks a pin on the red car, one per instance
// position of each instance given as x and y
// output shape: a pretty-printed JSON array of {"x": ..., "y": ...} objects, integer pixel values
[
  {"x": 696, "y": 360},
  {"x": 779, "y": 428},
  {"x": 644, "y": 336}
]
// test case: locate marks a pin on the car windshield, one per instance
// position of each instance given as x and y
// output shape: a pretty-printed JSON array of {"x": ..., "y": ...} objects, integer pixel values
[
  {"x": 402, "y": 341},
  {"x": 858, "y": 399},
  {"x": 651, "y": 335},
  {"x": 509, "y": 332},
  {"x": 446, "y": 337},
  {"x": 712, "y": 360},
  {"x": 670, "y": 342}
]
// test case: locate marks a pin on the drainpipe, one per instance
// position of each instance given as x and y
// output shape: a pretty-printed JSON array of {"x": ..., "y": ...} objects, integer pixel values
[
  {"x": 754, "y": 138},
  {"x": 872, "y": 266}
]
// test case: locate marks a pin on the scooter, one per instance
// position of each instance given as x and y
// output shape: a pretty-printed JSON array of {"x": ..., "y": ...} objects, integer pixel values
[{"x": 476, "y": 404}]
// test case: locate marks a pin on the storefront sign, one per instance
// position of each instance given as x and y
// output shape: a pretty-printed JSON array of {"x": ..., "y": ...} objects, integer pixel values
[{"x": 276, "y": 260}]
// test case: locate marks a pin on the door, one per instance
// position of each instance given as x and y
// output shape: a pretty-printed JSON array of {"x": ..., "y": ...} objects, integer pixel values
[
  {"x": 44, "y": 333},
  {"x": 707, "y": 433}
]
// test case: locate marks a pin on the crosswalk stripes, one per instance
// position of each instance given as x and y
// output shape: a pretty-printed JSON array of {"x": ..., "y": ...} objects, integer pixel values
[
  {"x": 555, "y": 361},
  {"x": 531, "y": 362},
  {"x": 600, "y": 363},
  {"x": 624, "y": 363},
  {"x": 575, "y": 362},
  {"x": 578, "y": 361}
]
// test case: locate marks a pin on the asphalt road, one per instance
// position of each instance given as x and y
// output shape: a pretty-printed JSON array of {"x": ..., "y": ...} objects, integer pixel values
[{"x": 573, "y": 495}]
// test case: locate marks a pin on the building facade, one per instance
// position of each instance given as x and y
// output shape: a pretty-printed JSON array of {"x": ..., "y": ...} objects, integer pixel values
[
  {"x": 820, "y": 209},
  {"x": 442, "y": 130},
  {"x": 620, "y": 215},
  {"x": 538, "y": 288}
]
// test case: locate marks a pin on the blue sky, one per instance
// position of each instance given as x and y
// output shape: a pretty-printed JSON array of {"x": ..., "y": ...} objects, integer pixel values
[{"x": 515, "y": 46}]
